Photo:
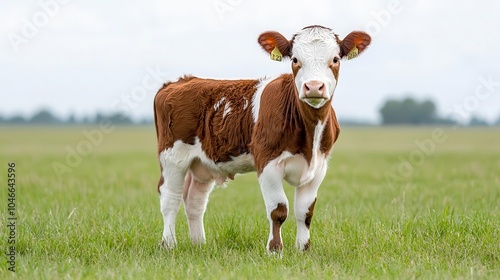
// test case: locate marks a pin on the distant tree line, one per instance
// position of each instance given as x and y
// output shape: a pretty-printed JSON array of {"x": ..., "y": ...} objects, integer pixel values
[
  {"x": 46, "y": 117},
  {"x": 408, "y": 111}
]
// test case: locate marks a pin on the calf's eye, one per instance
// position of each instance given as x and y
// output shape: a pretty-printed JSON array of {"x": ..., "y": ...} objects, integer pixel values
[
  {"x": 335, "y": 60},
  {"x": 295, "y": 60}
]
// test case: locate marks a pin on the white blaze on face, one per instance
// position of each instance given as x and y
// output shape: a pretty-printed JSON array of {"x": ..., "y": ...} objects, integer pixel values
[{"x": 315, "y": 56}]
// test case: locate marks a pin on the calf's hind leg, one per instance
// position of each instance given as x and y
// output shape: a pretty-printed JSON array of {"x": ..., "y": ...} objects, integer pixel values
[
  {"x": 171, "y": 185},
  {"x": 195, "y": 203}
]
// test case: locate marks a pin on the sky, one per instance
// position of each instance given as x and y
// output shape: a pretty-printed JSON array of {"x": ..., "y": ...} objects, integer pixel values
[{"x": 82, "y": 57}]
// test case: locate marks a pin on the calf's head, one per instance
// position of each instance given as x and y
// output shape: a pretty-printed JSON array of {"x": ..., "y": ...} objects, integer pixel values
[{"x": 315, "y": 53}]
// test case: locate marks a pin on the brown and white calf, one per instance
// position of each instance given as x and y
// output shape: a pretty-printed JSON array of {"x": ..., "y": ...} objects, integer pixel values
[{"x": 283, "y": 128}]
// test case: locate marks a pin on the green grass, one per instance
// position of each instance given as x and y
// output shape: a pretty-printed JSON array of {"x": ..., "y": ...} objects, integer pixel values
[{"x": 438, "y": 219}]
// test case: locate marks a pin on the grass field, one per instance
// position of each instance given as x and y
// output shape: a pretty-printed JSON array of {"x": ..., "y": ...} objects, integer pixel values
[{"x": 397, "y": 203}]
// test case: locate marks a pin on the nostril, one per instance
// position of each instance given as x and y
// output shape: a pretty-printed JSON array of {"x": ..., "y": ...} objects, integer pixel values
[
  {"x": 307, "y": 88},
  {"x": 321, "y": 87}
]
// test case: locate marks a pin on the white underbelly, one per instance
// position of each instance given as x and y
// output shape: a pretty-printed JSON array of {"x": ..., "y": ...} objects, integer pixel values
[
  {"x": 298, "y": 172},
  {"x": 185, "y": 156},
  {"x": 240, "y": 164},
  {"x": 204, "y": 169}
]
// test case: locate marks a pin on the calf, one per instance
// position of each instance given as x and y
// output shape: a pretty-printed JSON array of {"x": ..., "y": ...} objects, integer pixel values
[{"x": 282, "y": 127}]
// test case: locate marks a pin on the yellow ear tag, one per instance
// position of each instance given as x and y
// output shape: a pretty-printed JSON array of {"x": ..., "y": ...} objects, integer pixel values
[
  {"x": 276, "y": 54},
  {"x": 353, "y": 53}
]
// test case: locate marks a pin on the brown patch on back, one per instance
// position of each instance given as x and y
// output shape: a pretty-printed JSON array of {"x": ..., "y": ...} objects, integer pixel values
[
  {"x": 310, "y": 214},
  {"x": 278, "y": 216},
  {"x": 168, "y": 131},
  {"x": 286, "y": 123},
  {"x": 227, "y": 134},
  {"x": 185, "y": 110}
]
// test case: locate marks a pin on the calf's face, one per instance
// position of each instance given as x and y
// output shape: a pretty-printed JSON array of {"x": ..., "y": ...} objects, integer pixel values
[{"x": 315, "y": 52}]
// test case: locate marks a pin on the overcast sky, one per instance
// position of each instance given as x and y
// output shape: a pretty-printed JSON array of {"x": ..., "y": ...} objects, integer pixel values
[{"x": 87, "y": 56}]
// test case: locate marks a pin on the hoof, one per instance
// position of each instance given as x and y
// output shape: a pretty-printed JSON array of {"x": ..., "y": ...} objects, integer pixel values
[
  {"x": 303, "y": 246},
  {"x": 167, "y": 243}
]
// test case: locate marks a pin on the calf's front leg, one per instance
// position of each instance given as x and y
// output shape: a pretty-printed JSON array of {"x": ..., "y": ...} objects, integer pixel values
[
  {"x": 305, "y": 200},
  {"x": 271, "y": 184}
]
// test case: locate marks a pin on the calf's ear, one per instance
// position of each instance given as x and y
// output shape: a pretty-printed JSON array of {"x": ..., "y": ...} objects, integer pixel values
[
  {"x": 354, "y": 44},
  {"x": 275, "y": 44}
]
